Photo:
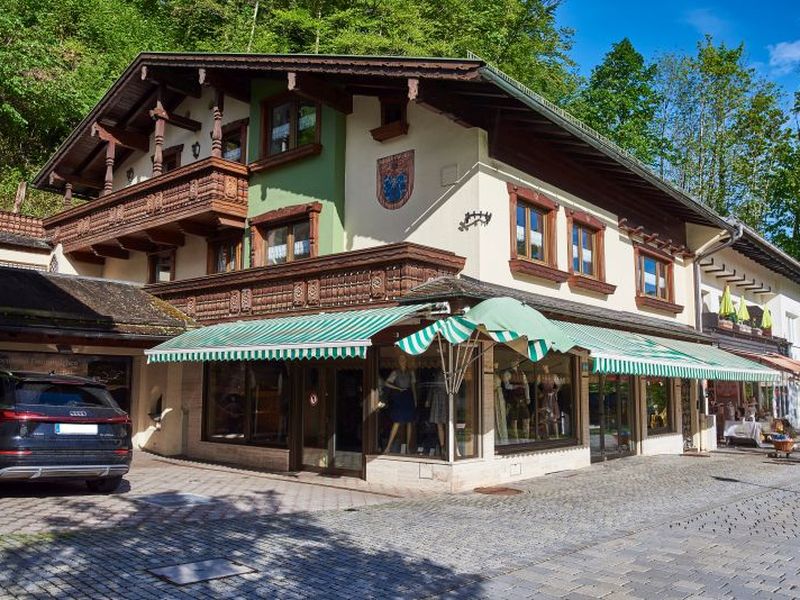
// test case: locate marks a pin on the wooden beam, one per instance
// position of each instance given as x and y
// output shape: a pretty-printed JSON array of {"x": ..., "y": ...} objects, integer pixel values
[
  {"x": 195, "y": 228},
  {"x": 120, "y": 137},
  {"x": 222, "y": 82},
  {"x": 110, "y": 251},
  {"x": 163, "y": 237},
  {"x": 146, "y": 101},
  {"x": 317, "y": 90},
  {"x": 56, "y": 177},
  {"x": 87, "y": 257},
  {"x": 136, "y": 244},
  {"x": 227, "y": 221},
  {"x": 170, "y": 80},
  {"x": 175, "y": 120}
]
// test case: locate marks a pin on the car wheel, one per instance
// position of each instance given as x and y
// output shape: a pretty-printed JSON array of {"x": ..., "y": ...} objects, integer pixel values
[{"x": 103, "y": 486}]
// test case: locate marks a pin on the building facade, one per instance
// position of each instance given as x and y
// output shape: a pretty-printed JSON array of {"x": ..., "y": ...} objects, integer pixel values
[{"x": 322, "y": 193}]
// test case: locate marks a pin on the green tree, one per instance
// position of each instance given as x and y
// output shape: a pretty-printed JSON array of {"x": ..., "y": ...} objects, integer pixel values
[{"x": 620, "y": 101}]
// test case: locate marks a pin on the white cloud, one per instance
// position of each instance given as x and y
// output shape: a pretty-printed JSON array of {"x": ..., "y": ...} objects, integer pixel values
[
  {"x": 705, "y": 21},
  {"x": 784, "y": 57}
]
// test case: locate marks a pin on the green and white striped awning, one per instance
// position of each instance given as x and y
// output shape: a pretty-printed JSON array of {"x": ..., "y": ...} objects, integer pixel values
[
  {"x": 623, "y": 352},
  {"x": 343, "y": 334}
]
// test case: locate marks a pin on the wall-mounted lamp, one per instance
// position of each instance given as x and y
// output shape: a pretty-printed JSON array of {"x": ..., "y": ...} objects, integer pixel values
[
  {"x": 196, "y": 149},
  {"x": 129, "y": 174},
  {"x": 478, "y": 217}
]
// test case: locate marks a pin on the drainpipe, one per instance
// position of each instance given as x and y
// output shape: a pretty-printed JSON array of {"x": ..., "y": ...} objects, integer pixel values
[{"x": 735, "y": 233}]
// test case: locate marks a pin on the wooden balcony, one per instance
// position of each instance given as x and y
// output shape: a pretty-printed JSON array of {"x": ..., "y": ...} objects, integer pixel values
[
  {"x": 200, "y": 198},
  {"x": 371, "y": 277}
]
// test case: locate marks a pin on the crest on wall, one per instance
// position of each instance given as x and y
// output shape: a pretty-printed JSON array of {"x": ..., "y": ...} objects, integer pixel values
[{"x": 395, "y": 179}]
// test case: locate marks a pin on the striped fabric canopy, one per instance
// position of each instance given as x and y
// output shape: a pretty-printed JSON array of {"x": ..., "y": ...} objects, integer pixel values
[
  {"x": 614, "y": 351},
  {"x": 532, "y": 334},
  {"x": 343, "y": 334}
]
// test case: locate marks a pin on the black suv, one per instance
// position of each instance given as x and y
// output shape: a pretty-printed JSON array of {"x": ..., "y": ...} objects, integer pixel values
[{"x": 60, "y": 426}]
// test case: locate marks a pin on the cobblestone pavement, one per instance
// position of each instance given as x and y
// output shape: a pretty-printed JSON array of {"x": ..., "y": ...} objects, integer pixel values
[{"x": 656, "y": 527}]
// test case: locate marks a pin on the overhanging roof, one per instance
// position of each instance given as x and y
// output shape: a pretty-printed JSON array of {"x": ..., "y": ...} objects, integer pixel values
[{"x": 756, "y": 248}]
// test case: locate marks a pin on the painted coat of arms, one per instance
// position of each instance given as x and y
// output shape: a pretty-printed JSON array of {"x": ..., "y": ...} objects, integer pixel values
[{"x": 395, "y": 179}]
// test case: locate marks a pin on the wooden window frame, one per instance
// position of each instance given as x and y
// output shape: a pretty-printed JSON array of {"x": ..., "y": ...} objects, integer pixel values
[
  {"x": 151, "y": 264},
  {"x": 269, "y": 160},
  {"x": 524, "y": 265},
  {"x": 232, "y": 128},
  {"x": 171, "y": 152},
  {"x": 580, "y": 281},
  {"x": 288, "y": 216},
  {"x": 391, "y": 129},
  {"x": 214, "y": 244},
  {"x": 655, "y": 302}
]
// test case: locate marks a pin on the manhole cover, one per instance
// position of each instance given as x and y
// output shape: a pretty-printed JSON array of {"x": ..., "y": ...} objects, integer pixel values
[
  {"x": 175, "y": 499},
  {"x": 203, "y": 570},
  {"x": 498, "y": 491}
]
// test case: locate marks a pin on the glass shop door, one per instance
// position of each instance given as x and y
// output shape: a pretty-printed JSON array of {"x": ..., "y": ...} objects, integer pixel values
[{"x": 610, "y": 416}]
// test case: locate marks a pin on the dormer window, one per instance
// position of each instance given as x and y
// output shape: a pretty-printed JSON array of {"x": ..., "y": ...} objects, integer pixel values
[{"x": 394, "y": 121}]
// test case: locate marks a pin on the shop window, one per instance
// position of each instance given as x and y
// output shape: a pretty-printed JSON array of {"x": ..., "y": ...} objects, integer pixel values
[
  {"x": 234, "y": 141},
  {"x": 658, "y": 396},
  {"x": 161, "y": 266},
  {"x": 533, "y": 234},
  {"x": 534, "y": 403},
  {"x": 247, "y": 402},
  {"x": 286, "y": 234},
  {"x": 225, "y": 255},
  {"x": 586, "y": 235},
  {"x": 171, "y": 158},
  {"x": 654, "y": 280},
  {"x": 412, "y": 413}
]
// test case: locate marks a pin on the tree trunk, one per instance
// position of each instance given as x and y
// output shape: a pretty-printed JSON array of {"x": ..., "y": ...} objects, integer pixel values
[{"x": 22, "y": 189}]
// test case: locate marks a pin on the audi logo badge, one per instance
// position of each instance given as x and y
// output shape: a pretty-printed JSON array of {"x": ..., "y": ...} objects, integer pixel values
[{"x": 78, "y": 413}]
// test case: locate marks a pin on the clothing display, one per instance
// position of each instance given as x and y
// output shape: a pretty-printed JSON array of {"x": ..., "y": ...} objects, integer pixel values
[
  {"x": 437, "y": 400},
  {"x": 517, "y": 397},
  {"x": 500, "y": 413},
  {"x": 402, "y": 408}
]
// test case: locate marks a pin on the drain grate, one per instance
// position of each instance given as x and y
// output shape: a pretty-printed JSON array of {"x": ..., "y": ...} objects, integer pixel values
[
  {"x": 204, "y": 570},
  {"x": 175, "y": 499},
  {"x": 498, "y": 491}
]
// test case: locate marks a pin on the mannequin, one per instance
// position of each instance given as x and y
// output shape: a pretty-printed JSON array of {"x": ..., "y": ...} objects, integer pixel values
[
  {"x": 515, "y": 383},
  {"x": 437, "y": 400},
  {"x": 500, "y": 415},
  {"x": 548, "y": 385},
  {"x": 402, "y": 386}
]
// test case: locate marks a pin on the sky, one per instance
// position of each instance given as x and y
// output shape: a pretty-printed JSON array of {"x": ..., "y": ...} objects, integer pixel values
[{"x": 770, "y": 30}]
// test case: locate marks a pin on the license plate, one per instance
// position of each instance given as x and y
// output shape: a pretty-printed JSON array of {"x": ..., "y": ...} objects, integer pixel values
[{"x": 76, "y": 428}]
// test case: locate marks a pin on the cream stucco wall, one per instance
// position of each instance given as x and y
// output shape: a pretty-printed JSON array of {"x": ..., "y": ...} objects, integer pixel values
[
  {"x": 24, "y": 257},
  {"x": 198, "y": 109}
]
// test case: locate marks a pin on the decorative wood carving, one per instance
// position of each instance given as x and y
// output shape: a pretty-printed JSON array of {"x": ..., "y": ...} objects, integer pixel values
[
  {"x": 247, "y": 300},
  {"x": 155, "y": 203},
  {"x": 235, "y": 303},
  {"x": 654, "y": 242},
  {"x": 376, "y": 276},
  {"x": 108, "y": 182},
  {"x": 216, "y": 132}
]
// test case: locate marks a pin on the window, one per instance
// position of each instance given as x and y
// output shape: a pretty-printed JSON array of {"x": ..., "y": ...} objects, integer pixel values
[
  {"x": 288, "y": 243},
  {"x": 171, "y": 158},
  {"x": 791, "y": 328},
  {"x": 658, "y": 396},
  {"x": 286, "y": 234},
  {"x": 234, "y": 141},
  {"x": 292, "y": 123},
  {"x": 583, "y": 245},
  {"x": 653, "y": 277},
  {"x": 533, "y": 232},
  {"x": 393, "y": 119},
  {"x": 161, "y": 266},
  {"x": 247, "y": 402},
  {"x": 225, "y": 255},
  {"x": 412, "y": 413},
  {"x": 534, "y": 403}
]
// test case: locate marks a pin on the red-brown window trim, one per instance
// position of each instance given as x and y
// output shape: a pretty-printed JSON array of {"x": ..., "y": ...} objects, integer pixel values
[
  {"x": 391, "y": 129},
  {"x": 266, "y": 127},
  {"x": 213, "y": 244},
  {"x": 597, "y": 282},
  {"x": 240, "y": 125},
  {"x": 547, "y": 269},
  {"x": 151, "y": 263},
  {"x": 288, "y": 215},
  {"x": 653, "y": 302}
]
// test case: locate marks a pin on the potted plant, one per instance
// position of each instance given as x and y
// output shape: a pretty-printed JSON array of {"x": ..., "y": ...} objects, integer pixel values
[
  {"x": 743, "y": 318},
  {"x": 754, "y": 327},
  {"x": 726, "y": 310},
  {"x": 766, "y": 321}
]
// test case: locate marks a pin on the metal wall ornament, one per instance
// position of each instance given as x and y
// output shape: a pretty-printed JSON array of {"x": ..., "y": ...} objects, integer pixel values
[
  {"x": 196, "y": 149},
  {"x": 395, "y": 179},
  {"x": 129, "y": 175}
]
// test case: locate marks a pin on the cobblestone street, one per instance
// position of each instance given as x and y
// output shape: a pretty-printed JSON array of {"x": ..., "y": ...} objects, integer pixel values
[{"x": 657, "y": 527}]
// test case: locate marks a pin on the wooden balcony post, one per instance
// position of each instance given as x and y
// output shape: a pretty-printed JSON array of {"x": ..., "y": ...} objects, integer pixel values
[
  {"x": 108, "y": 184},
  {"x": 158, "y": 151},
  {"x": 67, "y": 195},
  {"x": 216, "y": 132}
]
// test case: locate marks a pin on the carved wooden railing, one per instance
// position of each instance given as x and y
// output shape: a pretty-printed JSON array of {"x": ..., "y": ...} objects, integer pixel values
[
  {"x": 370, "y": 277},
  {"x": 212, "y": 185}
]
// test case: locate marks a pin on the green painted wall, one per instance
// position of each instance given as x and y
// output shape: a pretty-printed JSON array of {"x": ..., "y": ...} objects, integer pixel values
[{"x": 315, "y": 178}]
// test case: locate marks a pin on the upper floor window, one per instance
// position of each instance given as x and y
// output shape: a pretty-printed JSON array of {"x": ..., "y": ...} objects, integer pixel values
[
  {"x": 394, "y": 121},
  {"x": 161, "y": 266},
  {"x": 653, "y": 277},
  {"x": 286, "y": 234},
  {"x": 533, "y": 234},
  {"x": 225, "y": 255},
  {"x": 791, "y": 328},
  {"x": 234, "y": 141},
  {"x": 583, "y": 245},
  {"x": 586, "y": 251},
  {"x": 292, "y": 123},
  {"x": 171, "y": 158}
]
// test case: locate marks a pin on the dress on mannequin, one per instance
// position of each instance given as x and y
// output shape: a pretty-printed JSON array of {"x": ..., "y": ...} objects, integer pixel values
[{"x": 500, "y": 414}]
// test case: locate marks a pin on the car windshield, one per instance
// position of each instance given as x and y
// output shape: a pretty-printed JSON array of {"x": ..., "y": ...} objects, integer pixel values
[{"x": 60, "y": 394}]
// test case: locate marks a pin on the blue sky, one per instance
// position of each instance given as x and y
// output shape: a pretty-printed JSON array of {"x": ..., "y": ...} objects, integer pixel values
[{"x": 770, "y": 30}]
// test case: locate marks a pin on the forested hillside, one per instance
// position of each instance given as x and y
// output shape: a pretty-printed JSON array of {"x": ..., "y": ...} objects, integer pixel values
[{"x": 705, "y": 121}]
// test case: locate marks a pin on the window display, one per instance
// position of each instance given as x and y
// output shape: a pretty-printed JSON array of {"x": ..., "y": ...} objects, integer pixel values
[
  {"x": 534, "y": 402},
  {"x": 412, "y": 409},
  {"x": 247, "y": 402},
  {"x": 658, "y": 395}
]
